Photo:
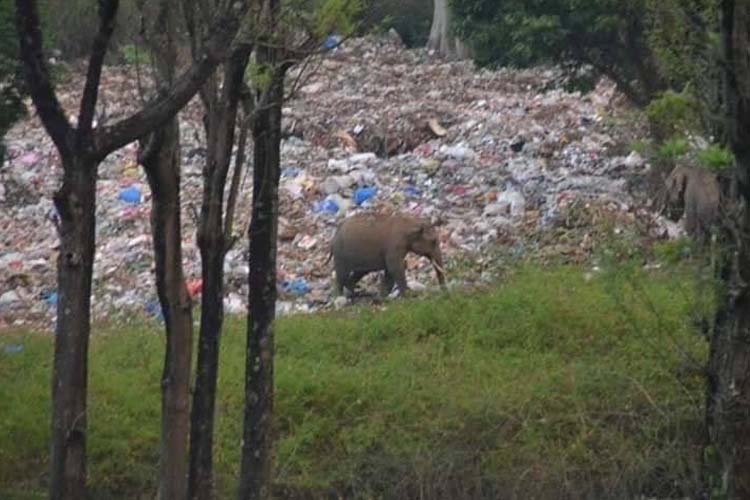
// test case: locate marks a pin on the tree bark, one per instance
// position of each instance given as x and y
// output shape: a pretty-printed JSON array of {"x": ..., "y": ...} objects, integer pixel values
[
  {"x": 728, "y": 405},
  {"x": 163, "y": 173},
  {"x": 441, "y": 37},
  {"x": 213, "y": 245},
  {"x": 75, "y": 203},
  {"x": 160, "y": 157},
  {"x": 255, "y": 475}
]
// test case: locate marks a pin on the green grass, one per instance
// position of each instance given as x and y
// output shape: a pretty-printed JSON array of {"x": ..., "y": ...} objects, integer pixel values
[{"x": 556, "y": 384}]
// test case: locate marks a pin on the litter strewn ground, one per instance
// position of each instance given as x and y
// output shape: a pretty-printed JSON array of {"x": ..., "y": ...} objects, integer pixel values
[{"x": 491, "y": 156}]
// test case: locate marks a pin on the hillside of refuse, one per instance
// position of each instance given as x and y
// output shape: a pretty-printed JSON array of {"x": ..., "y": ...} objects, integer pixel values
[{"x": 492, "y": 157}]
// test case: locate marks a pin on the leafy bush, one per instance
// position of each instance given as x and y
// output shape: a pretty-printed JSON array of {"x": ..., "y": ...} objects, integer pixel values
[
  {"x": 673, "y": 113},
  {"x": 716, "y": 157},
  {"x": 672, "y": 149}
]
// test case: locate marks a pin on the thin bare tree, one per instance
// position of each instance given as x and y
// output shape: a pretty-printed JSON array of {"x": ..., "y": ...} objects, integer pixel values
[{"x": 82, "y": 148}]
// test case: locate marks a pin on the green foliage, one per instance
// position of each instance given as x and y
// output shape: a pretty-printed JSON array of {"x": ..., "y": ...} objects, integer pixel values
[
  {"x": 585, "y": 379},
  {"x": 607, "y": 34},
  {"x": 133, "y": 54},
  {"x": 410, "y": 18},
  {"x": 673, "y": 113},
  {"x": 673, "y": 251},
  {"x": 644, "y": 45},
  {"x": 716, "y": 157},
  {"x": 335, "y": 16},
  {"x": 11, "y": 83},
  {"x": 69, "y": 26},
  {"x": 671, "y": 149}
]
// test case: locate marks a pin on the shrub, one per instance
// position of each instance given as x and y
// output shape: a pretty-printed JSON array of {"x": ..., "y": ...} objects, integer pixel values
[
  {"x": 673, "y": 113},
  {"x": 716, "y": 157},
  {"x": 672, "y": 149}
]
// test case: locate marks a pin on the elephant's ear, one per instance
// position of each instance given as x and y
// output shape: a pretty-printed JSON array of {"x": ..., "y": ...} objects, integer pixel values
[{"x": 418, "y": 230}]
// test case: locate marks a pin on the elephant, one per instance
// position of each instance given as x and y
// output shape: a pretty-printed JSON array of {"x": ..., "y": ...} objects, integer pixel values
[
  {"x": 367, "y": 243},
  {"x": 696, "y": 193}
]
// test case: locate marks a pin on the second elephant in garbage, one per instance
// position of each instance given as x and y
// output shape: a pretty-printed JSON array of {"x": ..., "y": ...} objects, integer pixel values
[{"x": 368, "y": 243}]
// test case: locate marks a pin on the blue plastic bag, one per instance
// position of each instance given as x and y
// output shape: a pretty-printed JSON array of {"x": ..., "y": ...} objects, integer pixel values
[
  {"x": 327, "y": 205},
  {"x": 412, "y": 191},
  {"x": 130, "y": 195},
  {"x": 331, "y": 42},
  {"x": 297, "y": 286},
  {"x": 50, "y": 298},
  {"x": 363, "y": 194}
]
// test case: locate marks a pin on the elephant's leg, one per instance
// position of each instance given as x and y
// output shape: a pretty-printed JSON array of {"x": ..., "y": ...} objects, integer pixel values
[
  {"x": 342, "y": 274},
  {"x": 386, "y": 284},
  {"x": 353, "y": 279},
  {"x": 394, "y": 266}
]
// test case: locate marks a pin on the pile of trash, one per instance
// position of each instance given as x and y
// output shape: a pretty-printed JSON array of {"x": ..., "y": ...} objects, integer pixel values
[{"x": 487, "y": 155}]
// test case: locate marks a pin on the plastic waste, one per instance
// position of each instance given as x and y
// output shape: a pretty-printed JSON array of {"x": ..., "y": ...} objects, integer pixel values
[
  {"x": 153, "y": 308},
  {"x": 331, "y": 42},
  {"x": 297, "y": 286},
  {"x": 130, "y": 194},
  {"x": 13, "y": 348},
  {"x": 363, "y": 194},
  {"x": 412, "y": 191},
  {"x": 194, "y": 287},
  {"x": 50, "y": 298},
  {"x": 328, "y": 205},
  {"x": 290, "y": 171}
]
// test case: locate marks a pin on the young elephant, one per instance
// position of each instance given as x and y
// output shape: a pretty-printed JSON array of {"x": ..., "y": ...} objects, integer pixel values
[{"x": 373, "y": 242}]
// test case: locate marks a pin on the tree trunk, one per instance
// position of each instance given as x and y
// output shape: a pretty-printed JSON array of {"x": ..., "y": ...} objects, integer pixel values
[
  {"x": 441, "y": 37},
  {"x": 728, "y": 408},
  {"x": 163, "y": 173},
  {"x": 213, "y": 245},
  {"x": 160, "y": 158},
  {"x": 75, "y": 203},
  {"x": 255, "y": 475}
]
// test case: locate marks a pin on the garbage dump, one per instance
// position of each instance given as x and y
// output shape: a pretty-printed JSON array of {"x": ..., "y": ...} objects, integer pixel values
[{"x": 489, "y": 156}]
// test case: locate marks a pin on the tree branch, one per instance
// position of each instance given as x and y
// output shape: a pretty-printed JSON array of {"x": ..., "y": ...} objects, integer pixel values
[
  {"x": 107, "y": 14},
  {"x": 38, "y": 79},
  {"x": 160, "y": 110}
]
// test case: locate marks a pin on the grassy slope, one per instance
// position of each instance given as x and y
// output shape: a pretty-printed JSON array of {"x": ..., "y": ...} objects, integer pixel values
[{"x": 550, "y": 384}]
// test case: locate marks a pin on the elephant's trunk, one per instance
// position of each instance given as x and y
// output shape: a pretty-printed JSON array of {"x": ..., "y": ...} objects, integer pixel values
[{"x": 437, "y": 263}]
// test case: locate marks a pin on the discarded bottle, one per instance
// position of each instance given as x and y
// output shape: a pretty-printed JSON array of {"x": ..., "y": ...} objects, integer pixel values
[
  {"x": 130, "y": 195},
  {"x": 363, "y": 194}
]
